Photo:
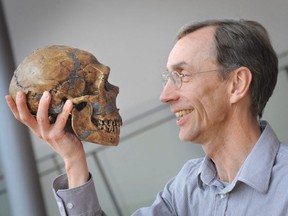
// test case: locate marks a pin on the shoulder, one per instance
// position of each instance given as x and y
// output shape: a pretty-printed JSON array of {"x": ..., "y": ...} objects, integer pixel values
[
  {"x": 189, "y": 171},
  {"x": 186, "y": 177},
  {"x": 279, "y": 178},
  {"x": 283, "y": 150},
  {"x": 282, "y": 155},
  {"x": 192, "y": 165},
  {"x": 281, "y": 165}
]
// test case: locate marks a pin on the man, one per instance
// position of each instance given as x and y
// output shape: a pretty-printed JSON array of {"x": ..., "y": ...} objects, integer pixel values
[{"x": 220, "y": 75}]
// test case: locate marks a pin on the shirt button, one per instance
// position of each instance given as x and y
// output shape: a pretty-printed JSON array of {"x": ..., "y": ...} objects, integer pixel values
[
  {"x": 69, "y": 205},
  {"x": 222, "y": 196}
]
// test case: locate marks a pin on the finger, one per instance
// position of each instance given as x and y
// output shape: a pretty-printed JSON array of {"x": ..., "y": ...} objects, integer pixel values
[
  {"x": 12, "y": 106},
  {"x": 42, "y": 115},
  {"x": 24, "y": 114},
  {"x": 63, "y": 116}
]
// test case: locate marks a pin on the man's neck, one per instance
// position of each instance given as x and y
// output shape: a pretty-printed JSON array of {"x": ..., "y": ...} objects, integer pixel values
[{"x": 230, "y": 151}]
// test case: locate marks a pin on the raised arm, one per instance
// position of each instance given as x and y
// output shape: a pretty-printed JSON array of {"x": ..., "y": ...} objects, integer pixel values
[{"x": 61, "y": 140}]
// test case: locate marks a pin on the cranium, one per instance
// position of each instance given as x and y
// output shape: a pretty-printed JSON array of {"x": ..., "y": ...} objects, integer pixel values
[{"x": 70, "y": 73}]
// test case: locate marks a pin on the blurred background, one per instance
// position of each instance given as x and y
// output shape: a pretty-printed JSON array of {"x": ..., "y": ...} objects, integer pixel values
[{"x": 133, "y": 38}]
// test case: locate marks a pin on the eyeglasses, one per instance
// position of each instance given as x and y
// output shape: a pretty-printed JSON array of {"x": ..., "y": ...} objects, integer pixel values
[{"x": 177, "y": 78}]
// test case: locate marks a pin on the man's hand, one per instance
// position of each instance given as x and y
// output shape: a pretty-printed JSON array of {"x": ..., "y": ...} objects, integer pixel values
[{"x": 63, "y": 142}]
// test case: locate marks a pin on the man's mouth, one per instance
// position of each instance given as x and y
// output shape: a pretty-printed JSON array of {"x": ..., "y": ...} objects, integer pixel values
[{"x": 182, "y": 113}]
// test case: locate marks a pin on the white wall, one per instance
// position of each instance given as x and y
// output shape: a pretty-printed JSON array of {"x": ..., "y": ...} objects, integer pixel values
[{"x": 134, "y": 39}]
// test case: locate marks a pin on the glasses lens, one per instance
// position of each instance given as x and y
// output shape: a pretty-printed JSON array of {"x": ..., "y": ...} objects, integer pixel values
[
  {"x": 173, "y": 76},
  {"x": 165, "y": 76},
  {"x": 176, "y": 79}
]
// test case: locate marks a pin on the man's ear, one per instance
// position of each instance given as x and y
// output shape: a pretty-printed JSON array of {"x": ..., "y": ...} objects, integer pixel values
[{"x": 240, "y": 81}]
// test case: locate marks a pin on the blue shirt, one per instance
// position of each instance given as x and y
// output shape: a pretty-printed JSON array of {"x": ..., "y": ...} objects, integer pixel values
[{"x": 259, "y": 188}]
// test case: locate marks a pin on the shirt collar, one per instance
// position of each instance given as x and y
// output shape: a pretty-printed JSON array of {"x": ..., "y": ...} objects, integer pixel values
[
  {"x": 207, "y": 172},
  {"x": 257, "y": 168}
]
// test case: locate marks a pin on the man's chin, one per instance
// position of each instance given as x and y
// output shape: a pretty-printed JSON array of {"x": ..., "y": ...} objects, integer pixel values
[
  {"x": 188, "y": 137},
  {"x": 184, "y": 138}
]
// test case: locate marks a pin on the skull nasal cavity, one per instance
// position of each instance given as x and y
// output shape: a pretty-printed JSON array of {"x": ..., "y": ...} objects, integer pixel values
[{"x": 80, "y": 106}]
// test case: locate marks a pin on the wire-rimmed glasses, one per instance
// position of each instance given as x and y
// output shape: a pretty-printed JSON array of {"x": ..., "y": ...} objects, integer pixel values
[{"x": 177, "y": 78}]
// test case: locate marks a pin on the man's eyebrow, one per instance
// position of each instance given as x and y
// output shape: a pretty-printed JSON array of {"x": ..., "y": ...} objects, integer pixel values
[{"x": 178, "y": 65}]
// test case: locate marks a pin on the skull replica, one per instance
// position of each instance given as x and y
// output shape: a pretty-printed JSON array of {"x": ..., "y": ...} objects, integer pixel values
[{"x": 69, "y": 73}]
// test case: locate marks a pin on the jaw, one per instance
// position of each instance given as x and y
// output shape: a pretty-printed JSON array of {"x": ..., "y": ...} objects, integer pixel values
[
  {"x": 191, "y": 127},
  {"x": 99, "y": 131}
]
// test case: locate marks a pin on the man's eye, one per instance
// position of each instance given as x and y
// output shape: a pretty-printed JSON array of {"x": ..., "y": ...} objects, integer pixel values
[{"x": 186, "y": 77}]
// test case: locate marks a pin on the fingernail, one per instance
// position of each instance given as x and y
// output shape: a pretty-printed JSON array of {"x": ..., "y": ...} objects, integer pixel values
[
  {"x": 68, "y": 103},
  {"x": 19, "y": 95},
  {"x": 45, "y": 94}
]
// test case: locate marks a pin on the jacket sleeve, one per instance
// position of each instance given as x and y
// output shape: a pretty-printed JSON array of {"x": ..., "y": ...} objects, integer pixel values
[{"x": 79, "y": 201}]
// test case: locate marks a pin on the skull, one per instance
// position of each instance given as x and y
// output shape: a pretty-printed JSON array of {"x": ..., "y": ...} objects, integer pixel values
[{"x": 70, "y": 73}]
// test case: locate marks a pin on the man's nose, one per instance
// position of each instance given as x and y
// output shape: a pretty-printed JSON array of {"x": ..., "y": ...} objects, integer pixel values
[{"x": 168, "y": 93}]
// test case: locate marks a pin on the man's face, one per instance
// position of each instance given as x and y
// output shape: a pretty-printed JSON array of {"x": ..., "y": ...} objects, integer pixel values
[{"x": 201, "y": 105}]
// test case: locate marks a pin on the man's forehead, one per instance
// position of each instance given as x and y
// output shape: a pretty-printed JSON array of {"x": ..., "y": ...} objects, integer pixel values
[{"x": 193, "y": 48}]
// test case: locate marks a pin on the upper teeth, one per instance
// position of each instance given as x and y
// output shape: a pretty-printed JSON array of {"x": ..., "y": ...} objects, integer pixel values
[
  {"x": 182, "y": 113},
  {"x": 108, "y": 125}
]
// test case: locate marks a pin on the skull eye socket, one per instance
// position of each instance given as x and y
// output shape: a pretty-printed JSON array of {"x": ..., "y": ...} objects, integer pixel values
[
  {"x": 80, "y": 106},
  {"x": 107, "y": 86}
]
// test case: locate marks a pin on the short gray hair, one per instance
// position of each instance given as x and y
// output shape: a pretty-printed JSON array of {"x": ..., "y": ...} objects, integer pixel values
[{"x": 244, "y": 43}]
